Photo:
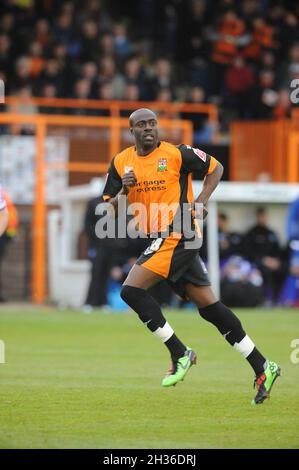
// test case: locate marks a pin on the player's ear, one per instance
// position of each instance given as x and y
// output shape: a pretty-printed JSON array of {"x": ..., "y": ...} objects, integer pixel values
[{"x": 131, "y": 130}]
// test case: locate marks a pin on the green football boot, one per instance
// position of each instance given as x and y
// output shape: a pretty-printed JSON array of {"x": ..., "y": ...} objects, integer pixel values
[
  {"x": 264, "y": 382},
  {"x": 179, "y": 369}
]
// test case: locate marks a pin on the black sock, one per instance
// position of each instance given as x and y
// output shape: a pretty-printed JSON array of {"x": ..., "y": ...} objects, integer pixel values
[
  {"x": 231, "y": 328},
  {"x": 257, "y": 361},
  {"x": 150, "y": 313},
  {"x": 176, "y": 347}
]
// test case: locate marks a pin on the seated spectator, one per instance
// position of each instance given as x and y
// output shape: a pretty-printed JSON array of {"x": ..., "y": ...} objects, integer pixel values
[
  {"x": 24, "y": 105},
  {"x": 261, "y": 246},
  {"x": 241, "y": 283},
  {"x": 89, "y": 41},
  {"x": 131, "y": 92},
  {"x": 162, "y": 77},
  {"x": 50, "y": 91},
  {"x": 106, "y": 45},
  {"x": 5, "y": 54},
  {"x": 230, "y": 243},
  {"x": 37, "y": 59},
  {"x": 135, "y": 74},
  {"x": 164, "y": 95},
  {"x": 262, "y": 37},
  {"x": 42, "y": 32},
  {"x": 264, "y": 96},
  {"x": 52, "y": 73},
  {"x": 203, "y": 130},
  {"x": 22, "y": 77},
  {"x": 122, "y": 44},
  {"x": 108, "y": 72}
]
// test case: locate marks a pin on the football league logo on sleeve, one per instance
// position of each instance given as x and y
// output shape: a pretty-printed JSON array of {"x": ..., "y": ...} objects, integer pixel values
[{"x": 202, "y": 155}]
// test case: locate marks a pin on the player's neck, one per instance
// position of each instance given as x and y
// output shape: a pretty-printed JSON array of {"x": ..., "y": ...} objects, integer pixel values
[{"x": 143, "y": 152}]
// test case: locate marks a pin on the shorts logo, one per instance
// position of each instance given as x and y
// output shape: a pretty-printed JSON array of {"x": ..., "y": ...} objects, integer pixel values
[
  {"x": 154, "y": 246},
  {"x": 202, "y": 155},
  {"x": 162, "y": 164}
]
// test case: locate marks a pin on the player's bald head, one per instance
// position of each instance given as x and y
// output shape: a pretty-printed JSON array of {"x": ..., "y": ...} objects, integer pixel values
[{"x": 141, "y": 114}]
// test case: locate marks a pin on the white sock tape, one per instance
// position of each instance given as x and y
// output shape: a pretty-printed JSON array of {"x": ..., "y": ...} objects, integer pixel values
[
  {"x": 245, "y": 347},
  {"x": 164, "y": 333}
]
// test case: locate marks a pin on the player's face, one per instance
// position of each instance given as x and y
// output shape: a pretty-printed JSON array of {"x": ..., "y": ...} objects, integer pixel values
[{"x": 145, "y": 131}]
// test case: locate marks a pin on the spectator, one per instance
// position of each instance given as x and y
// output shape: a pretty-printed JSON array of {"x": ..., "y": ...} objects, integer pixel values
[
  {"x": 106, "y": 91},
  {"x": 23, "y": 73},
  {"x": 203, "y": 130},
  {"x": 52, "y": 73},
  {"x": 107, "y": 45},
  {"x": 23, "y": 105},
  {"x": 89, "y": 41},
  {"x": 239, "y": 81},
  {"x": 108, "y": 73},
  {"x": 5, "y": 54},
  {"x": 82, "y": 89},
  {"x": 264, "y": 96},
  {"x": 42, "y": 32},
  {"x": 102, "y": 254},
  {"x": 135, "y": 74},
  {"x": 261, "y": 246},
  {"x": 162, "y": 77},
  {"x": 37, "y": 60},
  {"x": 230, "y": 243},
  {"x": 262, "y": 38},
  {"x": 122, "y": 44},
  {"x": 241, "y": 283},
  {"x": 63, "y": 29},
  {"x": 131, "y": 92}
]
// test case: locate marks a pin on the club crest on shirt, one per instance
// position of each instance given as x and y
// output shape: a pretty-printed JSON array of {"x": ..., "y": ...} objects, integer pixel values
[{"x": 162, "y": 164}]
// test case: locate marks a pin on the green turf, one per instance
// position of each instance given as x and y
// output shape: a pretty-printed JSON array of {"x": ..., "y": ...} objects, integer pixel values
[{"x": 94, "y": 381}]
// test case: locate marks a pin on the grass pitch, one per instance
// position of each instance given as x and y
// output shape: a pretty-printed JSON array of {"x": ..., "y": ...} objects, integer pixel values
[{"x": 93, "y": 381}]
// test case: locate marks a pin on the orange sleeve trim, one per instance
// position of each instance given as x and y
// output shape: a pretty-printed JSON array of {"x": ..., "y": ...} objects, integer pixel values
[
  {"x": 106, "y": 197},
  {"x": 213, "y": 164}
]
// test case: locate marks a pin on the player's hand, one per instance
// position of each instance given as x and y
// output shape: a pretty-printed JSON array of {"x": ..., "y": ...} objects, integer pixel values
[
  {"x": 129, "y": 180},
  {"x": 200, "y": 214}
]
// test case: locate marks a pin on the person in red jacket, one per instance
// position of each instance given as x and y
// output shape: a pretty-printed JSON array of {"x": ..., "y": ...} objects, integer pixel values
[{"x": 239, "y": 80}]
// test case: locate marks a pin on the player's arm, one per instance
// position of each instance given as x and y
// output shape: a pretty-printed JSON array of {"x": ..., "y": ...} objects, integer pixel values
[
  {"x": 194, "y": 159},
  {"x": 210, "y": 182},
  {"x": 117, "y": 186},
  {"x": 3, "y": 220}
]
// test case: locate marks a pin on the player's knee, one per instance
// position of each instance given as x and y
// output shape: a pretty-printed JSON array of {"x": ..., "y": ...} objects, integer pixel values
[
  {"x": 130, "y": 294},
  {"x": 221, "y": 316}
]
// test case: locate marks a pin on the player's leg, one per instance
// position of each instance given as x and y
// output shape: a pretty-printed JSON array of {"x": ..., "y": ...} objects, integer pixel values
[
  {"x": 231, "y": 328},
  {"x": 134, "y": 293}
]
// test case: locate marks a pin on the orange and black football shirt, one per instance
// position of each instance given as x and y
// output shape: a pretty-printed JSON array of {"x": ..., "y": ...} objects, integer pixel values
[{"x": 164, "y": 181}]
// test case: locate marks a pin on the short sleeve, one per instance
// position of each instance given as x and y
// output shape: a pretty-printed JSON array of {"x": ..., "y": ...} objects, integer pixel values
[
  {"x": 113, "y": 183},
  {"x": 2, "y": 200},
  {"x": 194, "y": 159}
]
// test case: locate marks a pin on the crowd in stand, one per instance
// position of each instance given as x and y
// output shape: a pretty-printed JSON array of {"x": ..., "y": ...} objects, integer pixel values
[{"x": 241, "y": 55}]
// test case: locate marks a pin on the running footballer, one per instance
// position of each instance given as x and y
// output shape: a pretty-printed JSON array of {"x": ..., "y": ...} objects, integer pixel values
[{"x": 158, "y": 172}]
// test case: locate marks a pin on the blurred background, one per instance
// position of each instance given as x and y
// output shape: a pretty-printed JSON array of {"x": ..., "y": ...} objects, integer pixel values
[{"x": 221, "y": 75}]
